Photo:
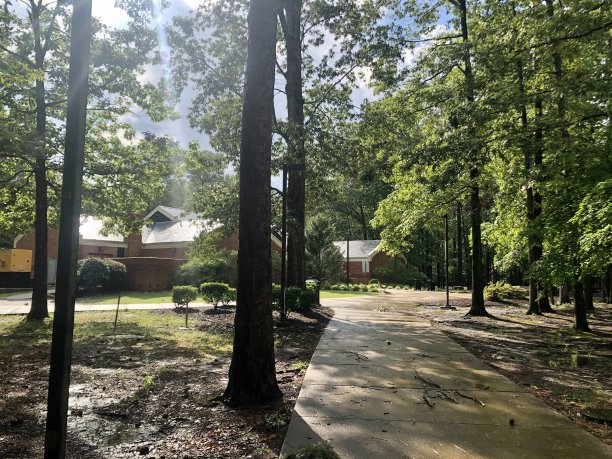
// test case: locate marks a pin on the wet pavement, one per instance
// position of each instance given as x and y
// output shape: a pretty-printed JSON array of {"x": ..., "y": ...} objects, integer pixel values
[{"x": 385, "y": 384}]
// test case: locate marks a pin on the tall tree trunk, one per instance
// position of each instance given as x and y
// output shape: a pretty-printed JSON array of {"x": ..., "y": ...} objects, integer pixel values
[
  {"x": 581, "y": 323},
  {"x": 296, "y": 192},
  {"x": 38, "y": 308},
  {"x": 459, "y": 251},
  {"x": 543, "y": 301},
  {"x": 252, "y": 373},
  {"x": 534, "y": 305},
  {"x": 606, "y": 286},
  {"x": 477, "y": 308},
  {"x": 588, "y": 292}
]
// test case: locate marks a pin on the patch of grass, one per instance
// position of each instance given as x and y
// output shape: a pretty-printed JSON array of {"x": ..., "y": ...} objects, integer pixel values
[
  {"x": 343, "y": 294},
  {"x": 7, "y": 294},
  {"x": 301, "y": 365},
  {"x": 161, "y": 297},
  {"x": 155, "y": 331}
]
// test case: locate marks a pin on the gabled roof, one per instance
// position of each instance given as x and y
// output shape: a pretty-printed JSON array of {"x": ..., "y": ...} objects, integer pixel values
[
  {"x": 364, "y": 249},
  {"x": 91, "y": 230},
  {"x": 170, "y": 214},
  {"x": 172, "y": 232}
]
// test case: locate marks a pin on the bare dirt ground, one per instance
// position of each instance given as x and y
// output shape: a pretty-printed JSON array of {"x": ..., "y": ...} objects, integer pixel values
[
  {"x": 570, "y": 371},
  {"x": 151, "y": 391}
]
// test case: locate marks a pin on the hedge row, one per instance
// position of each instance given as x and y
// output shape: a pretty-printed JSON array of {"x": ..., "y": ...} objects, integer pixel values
[
  {"x": 101, "y": 274},
  {"x": 212, "y": 292}
]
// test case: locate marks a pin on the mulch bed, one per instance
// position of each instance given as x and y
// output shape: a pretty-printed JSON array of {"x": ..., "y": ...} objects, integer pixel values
[
  {"x": 570, "y": 371},
  {"x": 164, "y": 404}
]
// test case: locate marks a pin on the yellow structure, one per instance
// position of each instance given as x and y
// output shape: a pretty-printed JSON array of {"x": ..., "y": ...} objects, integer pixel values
[{"x": 15, "y": 261}]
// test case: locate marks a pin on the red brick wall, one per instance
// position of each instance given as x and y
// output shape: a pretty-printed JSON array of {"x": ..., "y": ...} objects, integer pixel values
[
  {"x": 178, "y": 253},
  {"x": 150, "y": 274},
  {"x": 134, "y": 245},
  {"x": 27, "y": 242},
  {"x": 86, "y": 251}
]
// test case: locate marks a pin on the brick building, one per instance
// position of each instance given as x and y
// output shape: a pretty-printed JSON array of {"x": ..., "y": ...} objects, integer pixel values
[
  {"x": 364, "y": 257},
  {"x": 151, "y": 256}
]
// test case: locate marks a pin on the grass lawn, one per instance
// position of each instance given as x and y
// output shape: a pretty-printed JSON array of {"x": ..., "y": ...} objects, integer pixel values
[
  {"x": 165, "y": 297},
  {"x": 343, "y": 293},
  {"x": 5, "y": 293},
  {"x": 161, "y": 297}
]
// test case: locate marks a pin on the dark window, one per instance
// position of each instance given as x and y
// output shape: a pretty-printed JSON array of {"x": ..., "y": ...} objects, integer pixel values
[{"x": 120, "y": 252}]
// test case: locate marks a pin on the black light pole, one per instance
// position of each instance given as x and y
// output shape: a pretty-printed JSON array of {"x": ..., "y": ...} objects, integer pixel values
[
  {"x": 348, "y": 258},
  {"x": 448, "y": 306},
  {"x": 63, "y": 321},
  {"x": 286, "y": 168}
]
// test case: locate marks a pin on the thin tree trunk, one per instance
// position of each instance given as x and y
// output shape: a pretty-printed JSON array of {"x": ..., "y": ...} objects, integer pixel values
[
  {"x": 38, "y": 308},
  {"x": 588, "y": 292},
  {"x": 296, "y": 191},
  {"x": 252, "y": 373},
  {"x": 581, "y": 323},
  {"x": 564, "y": 294}
]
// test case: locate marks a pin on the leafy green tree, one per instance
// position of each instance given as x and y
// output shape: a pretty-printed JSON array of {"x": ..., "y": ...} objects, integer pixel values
[{"x": 324, "y": 261}]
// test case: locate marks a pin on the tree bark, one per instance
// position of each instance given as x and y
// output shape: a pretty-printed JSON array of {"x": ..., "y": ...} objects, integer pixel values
[
  {"x": 459, "y": 252},
  {"x": 38, "y": 308},
  {"x": 296, "y": 192},
  {"x": 252, "y": 373},
  {"x": 581, "y": 323},
  {"x": 477, "y": 308},
  {"x": 564, "y": 294},
  {"x": 588, "y": 292}
]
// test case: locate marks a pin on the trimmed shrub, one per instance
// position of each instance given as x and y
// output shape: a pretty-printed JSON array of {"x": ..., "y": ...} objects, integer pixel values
[
  {"x": 363, "y": 288},
  {"x": 117, "y": 275},
  {"x": 293, "y": 296},
  {"x": 214, "y": 292},
  {"x": 372, "y": 288},
  {"x": 182, "y": 295},
  {"x": 309, "y": 297},
  {"x": 229, "y": 296},
  {"x": 93, "y": 274},
  {"x": 374, "y": 281},
  {"x": 355, "y": 287},
  {"x": 503, "y": 291}
]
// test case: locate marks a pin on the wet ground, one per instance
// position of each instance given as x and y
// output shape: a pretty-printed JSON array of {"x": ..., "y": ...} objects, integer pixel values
[{"x": 150, "y": 390}]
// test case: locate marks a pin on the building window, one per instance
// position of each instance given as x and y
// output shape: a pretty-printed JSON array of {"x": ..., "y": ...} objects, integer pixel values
[
  {"x": 120, "y": 252},
  {"x": 365, "y": 266}
]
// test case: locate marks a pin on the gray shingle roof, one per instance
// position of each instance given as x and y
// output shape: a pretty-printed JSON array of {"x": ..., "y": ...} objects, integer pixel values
[
  {"x": 358, "y": 249},
  {"x": 171, "y": 232},
  {"x": 91, "y": 228}
]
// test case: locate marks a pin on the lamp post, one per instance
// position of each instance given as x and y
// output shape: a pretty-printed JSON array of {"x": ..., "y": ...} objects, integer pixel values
[
  {"x": 448, "y": 306},
  {"x": 286, "y": 168}
]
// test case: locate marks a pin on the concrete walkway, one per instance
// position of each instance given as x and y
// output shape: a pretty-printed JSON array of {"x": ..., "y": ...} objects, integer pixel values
[{"x": 384, "y": 384}]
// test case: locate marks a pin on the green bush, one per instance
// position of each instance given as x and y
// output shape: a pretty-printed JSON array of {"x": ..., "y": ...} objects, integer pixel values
[
  {"x": 372, "y": 288},
  {"x": 229, "y": 296},
  {"x": 214, "y": 292},
  {"x": 309, "y": 297},
  {"x": 363, "y": 288},
  {"x": 355, "y": 287},
  {"x": 374, "y": 281},
  {"x": 503, "y": 291},
  {"x": 92, "y": 274},
  {"x": 117, "y": 275},
  {"x": 276, "y": 295},
  {"x": 293, "y": 297},
  {"x": 196, "y": 273},
  {"x": 182, "y": 295}
]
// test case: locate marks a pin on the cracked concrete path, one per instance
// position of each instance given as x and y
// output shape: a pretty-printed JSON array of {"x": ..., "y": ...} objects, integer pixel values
[{"x": 384, "y": 384}]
